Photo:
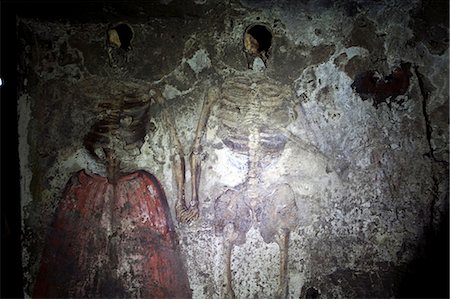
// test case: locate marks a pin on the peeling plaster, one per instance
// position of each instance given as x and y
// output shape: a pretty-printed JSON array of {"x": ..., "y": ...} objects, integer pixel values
[{"x": 199, "y": 61}]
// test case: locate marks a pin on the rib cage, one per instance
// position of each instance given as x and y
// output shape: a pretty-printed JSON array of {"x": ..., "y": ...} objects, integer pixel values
[
  {"x": 121, "y": 125},
  {"x": 251, "y": 113}
]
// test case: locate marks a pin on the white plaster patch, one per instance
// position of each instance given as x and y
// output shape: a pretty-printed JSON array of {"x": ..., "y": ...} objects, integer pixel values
[
  {"x": 352, "y": 52},
  {"x": 364, "y": 159},
  {"x": 309, "y": 170},
  {"x": 170, "y": 92},
  {"x": 231, "y": 168},
  {"x": 258, "y": 65},
  {"x": 199, "y": 61},
  {"x": 82, "y": 160},
  {"x": 152, "y": 191},
  {"x": 342, "y": 101},
  {"x": 106, "y": 220}
]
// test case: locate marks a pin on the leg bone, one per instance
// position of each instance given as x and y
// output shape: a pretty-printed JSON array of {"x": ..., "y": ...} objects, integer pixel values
[
  {"x": 183, "y": 214},
  {"x": 230, "y": 236},
  {"x": 195, "y": 160},
  {"x": 282, "y": 240}
]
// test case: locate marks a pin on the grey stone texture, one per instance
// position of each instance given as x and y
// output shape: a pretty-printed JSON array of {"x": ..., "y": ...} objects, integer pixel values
[{"x": 363, "y": 184}]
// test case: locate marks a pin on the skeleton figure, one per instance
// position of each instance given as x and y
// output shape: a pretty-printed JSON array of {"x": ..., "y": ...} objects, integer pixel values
[
  {"x": 254, "y": 113},
  {"x": 113, "y": 236},
  {"x": 119, "y": 130}
]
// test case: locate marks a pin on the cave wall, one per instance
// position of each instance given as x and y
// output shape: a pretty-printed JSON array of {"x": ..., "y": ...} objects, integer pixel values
[{"x": 351, "y": 115}]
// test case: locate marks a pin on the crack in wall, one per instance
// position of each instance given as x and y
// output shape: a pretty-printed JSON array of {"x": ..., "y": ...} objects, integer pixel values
[
  {"x": 425, "y": 96},
  {"x": 434, "y": 209}
]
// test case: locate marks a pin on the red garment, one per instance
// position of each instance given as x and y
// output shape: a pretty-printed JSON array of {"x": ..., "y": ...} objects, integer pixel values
[{"x": 112, "y": 241}]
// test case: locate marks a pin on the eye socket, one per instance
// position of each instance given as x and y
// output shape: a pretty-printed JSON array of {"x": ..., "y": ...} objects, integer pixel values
[{"x": 120, "y": 36}]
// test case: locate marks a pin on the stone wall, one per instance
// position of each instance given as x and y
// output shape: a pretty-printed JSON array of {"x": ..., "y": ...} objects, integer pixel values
[{"x": 335, "y": 134}]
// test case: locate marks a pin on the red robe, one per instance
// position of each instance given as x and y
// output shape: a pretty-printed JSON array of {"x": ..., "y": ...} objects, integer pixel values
[{"x": 112, "y": 241}]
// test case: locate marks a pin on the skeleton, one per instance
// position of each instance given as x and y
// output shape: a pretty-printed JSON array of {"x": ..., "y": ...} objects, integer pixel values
[
  {"x": 253, "y": 114},
  {"x": 118, "y": 131}
]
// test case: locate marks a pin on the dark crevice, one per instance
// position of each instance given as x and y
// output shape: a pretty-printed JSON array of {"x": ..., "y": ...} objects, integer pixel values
[
  {"x": 257, "y": 43},
  {"x": 426, "y": 275},
  {"x": 262, "y": 36},
  {"x": 121, "y": 36},
  {"x": 312, "y": 293},
  {"x": 428, "y": 129},
  {"x": 425, "y": 96}
]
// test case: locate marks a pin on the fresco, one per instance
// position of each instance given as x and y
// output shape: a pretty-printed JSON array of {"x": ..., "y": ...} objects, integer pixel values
[
  {"x": 112, "y": 240},
  {"x": 231, "y": 149}
]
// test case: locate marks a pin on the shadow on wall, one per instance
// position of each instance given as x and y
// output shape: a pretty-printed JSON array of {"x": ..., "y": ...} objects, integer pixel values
[{"x": 427, "y": 276}]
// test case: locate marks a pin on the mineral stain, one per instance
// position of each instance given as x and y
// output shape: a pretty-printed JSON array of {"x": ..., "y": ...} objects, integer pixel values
[{"x": 369, "y": 85}]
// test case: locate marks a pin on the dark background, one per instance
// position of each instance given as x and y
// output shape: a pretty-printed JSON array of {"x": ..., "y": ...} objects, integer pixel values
[{"x": 11, "y": 270}]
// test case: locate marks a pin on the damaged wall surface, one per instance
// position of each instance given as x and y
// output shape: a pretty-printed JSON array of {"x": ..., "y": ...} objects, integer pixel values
[{"x": 301, "y": 147}]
